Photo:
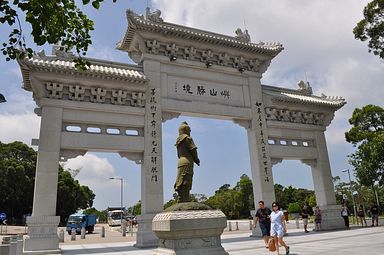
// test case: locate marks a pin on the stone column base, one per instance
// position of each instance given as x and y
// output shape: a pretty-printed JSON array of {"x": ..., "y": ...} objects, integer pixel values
[
  {"x": 189, "y": 232},
  {"x": 256, "y": 232},
  {"x": 331, "y": 217},
  {"x": 42, "y": 235},
  {"x": 145, "y": 237}
]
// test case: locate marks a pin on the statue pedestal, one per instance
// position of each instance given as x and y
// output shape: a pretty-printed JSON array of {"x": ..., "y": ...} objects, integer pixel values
[{"x": 189, "y": 232}]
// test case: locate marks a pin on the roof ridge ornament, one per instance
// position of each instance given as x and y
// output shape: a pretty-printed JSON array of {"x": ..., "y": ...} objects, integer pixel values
[
  {"x": 153, "y": 16},
  {"x": 62, "y": 52},
  {"x": 304, "y": 87},
  {"x": 242, "y": 36}
]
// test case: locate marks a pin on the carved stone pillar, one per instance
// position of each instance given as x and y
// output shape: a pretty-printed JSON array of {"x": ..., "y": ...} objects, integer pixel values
[
  {"x": 323, "y": 184},
  {"x": 42, "y": 225},
  {"x": 275, "y": 161},
  {"x": 152, "y": 168},
  {"x": 321, "y": 173},
  {"x": 261, "y": 168}
]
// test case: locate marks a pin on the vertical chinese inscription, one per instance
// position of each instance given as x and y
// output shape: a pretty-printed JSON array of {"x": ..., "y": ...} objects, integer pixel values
[
  {"x": 262, "y": 137},
  {"x": 154, "y": 136}
]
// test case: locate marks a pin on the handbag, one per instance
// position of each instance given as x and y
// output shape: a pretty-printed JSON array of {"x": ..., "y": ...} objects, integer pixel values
[{"x": 271, "y": 244}]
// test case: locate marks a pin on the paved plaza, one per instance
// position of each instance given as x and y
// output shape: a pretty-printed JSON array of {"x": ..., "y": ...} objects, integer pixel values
[{"x": 352, "y": 241}]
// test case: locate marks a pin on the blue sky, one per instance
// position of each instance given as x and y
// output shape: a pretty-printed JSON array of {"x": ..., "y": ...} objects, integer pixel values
[{"x": 319, "y": 45}]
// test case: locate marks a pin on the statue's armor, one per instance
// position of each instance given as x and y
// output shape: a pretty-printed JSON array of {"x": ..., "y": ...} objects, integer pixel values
[
  {"x": 187, "y": 154},
  {"x": 185, "y": 145}
]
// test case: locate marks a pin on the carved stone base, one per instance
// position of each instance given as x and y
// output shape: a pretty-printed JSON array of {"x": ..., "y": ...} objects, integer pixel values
[
  {"x": 145, "y": 237},
  {"x": 42, "y": 235},
  {"x": 189, "y": 232},
  {"x": 331, "y": 217}
]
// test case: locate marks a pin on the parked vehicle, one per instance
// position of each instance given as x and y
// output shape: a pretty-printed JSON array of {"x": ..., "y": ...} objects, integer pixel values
[
  {"x": 114, "y": 217},
  {"x": 79, "y": 220}
]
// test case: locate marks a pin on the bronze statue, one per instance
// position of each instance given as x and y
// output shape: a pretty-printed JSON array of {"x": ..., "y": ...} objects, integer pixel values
[{"x": 187, "y": 154}]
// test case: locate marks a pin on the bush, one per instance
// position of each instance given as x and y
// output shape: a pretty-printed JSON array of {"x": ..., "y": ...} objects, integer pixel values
[{"x": 294, "y": 207}]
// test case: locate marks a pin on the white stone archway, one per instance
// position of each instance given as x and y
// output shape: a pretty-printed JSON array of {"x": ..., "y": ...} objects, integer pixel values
[{"x": 179, "y": 70}]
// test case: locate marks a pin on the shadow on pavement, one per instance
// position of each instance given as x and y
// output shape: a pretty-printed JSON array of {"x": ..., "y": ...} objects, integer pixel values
[{"x": 102, "y": 250}]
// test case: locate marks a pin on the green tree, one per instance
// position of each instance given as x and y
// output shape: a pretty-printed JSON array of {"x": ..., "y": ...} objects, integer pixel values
[
  {"x": 51, "y": 21},
  {"x": 71, "y": 196},
  {"x": 18, "y": 169},
  {"x": 226, "y": 201},
  {"x": 135, "y": 209},
  {"x": 294, "y": 207},
  {"x": 367, "y": 134},
  {"x": 372, "y": 27},
  {"x": 101, "y": 215},
  {"x": 244, "y": 196},
  {"x": 283, "y": 195}
]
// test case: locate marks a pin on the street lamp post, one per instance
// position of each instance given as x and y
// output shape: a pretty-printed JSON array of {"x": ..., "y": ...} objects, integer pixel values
[
  {"x": 121, "y": 196},
  {"x": 350, "y": 189}
]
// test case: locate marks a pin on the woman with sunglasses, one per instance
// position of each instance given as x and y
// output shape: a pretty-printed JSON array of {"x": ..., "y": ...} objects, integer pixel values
[{"x": 277, "y": 227}]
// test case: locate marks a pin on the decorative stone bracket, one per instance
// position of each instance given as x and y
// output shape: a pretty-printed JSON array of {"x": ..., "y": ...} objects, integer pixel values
[
  {"x": 95, "y": 94},
  {"x": 206, "y": 56},
  {"x": 311, "y": 118},
  {"x": 137, "y": 157},
  {"x": 169, "y": 115},
  {"x": 243, "y": 123}
]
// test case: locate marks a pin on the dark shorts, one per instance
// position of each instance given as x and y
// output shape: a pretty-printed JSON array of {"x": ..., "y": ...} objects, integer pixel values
[{"x": 265, "y": 228}]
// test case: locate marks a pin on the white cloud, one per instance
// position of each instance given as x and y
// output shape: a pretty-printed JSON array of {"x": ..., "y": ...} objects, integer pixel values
[
  {"x": 21, "y": 127},
  {"x": 95, "y": 173}
]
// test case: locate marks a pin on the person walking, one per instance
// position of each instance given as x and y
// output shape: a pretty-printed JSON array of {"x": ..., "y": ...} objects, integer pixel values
[
  {"x": 263, "y": 217},
  {"x": 277, "y": 228},
  {"x": 375, "y": 214},
  {"x": 344, "y": 214},
  {"x": 361, "y": 214},
  {"x": 304, "y": 216},
  {"x": 317, "y": 218}
]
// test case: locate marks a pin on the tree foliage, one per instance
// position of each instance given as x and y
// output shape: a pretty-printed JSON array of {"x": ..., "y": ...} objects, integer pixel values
[
  {"x": 101, "y": 215},
  {"x": 237, "y": 202},
  {"x": 245, "y": 195},
  {"x": 71, "y": 196},
  {"x": 135, "y": 209},
  {"x": 363, "y": 195},
  {"x": 52, "y": 21},
  {"x": 367, "y": 134},
  {"x": 288, "y": 195},
  {"x": 17, "y": 171},
  {"x": 372, "y": 27}
]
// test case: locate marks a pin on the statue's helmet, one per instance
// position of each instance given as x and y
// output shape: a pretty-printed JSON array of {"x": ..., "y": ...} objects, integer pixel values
[{"x": 184, "y": 129}]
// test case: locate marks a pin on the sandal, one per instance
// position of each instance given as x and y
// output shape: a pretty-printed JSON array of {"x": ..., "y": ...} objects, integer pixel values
[{"x": 287, "y": 252}]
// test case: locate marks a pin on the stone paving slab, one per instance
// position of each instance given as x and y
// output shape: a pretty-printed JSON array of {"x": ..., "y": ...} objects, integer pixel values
[{"x": 353, "y": 241}]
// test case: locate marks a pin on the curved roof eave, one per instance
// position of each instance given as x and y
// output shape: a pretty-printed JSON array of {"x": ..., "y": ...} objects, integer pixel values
[
  {"x": 295, "y": 96},
  {"x": 136, "y": 22},
  {"x": 103, "y": 69}
]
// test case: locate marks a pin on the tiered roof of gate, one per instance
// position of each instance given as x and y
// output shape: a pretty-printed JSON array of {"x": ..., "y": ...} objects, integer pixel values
[
  {"x": 119, "y": 71},
  {"x": 63, "y": 63},
  {"x": 157, "y": 25},
  {"x": 152, "y": 24},
  {"x": 301, "y": 96}
]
